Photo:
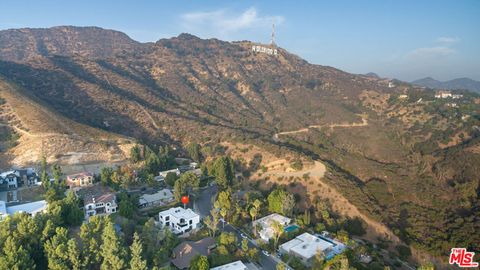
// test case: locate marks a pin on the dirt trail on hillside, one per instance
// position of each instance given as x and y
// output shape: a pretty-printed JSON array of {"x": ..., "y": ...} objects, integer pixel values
[
  {"x": 317, "y": 170},
  {"x": 149, "y": 116},
  {"x": 331, "y": 126},
  {"x": 29, "y": 134}
]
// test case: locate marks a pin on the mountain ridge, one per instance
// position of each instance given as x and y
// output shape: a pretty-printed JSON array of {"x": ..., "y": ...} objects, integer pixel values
[{"x": 463, "y": 83}]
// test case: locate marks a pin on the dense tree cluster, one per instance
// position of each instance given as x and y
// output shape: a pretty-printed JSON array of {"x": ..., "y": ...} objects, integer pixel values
[
  {"x": 279, "y": 201},
  {"x": 39, "y": 243}
]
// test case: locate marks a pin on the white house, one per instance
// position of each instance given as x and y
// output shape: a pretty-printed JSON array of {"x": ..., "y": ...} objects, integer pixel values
[
  {"x": 457, "y": 96},
  {"x": 164, "y": 173},
  {"x": 237, "y": 265},
  {"x": 104, "y": 204},
  {"x": 162, "y": 197},
  {"x": 179, "y": 220},
  {"x": 265, "y": 223},
  {"x": 31, "y": 208},
  {"x": 9, "y": 179},
  {"x": 306, "y": 246},
  {"x": 391, "y": 85}
]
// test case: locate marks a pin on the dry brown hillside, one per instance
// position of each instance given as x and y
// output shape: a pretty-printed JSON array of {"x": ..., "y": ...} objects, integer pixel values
[{"x": 42, "y": 131}]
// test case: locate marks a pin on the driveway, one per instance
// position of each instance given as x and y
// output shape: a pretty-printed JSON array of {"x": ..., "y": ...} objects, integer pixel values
[{"x": 204, "y": 201}]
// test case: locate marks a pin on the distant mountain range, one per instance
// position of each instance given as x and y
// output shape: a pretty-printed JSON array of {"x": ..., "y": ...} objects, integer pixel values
[{"x": 460, "y": 83}]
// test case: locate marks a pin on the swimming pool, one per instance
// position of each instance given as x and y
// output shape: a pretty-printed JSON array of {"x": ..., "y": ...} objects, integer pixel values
[{"x": 291, "y": 228}]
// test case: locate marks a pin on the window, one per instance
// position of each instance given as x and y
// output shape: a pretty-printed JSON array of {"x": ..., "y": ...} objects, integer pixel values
[
  {"x": 167, "y": 218},
  {"x": 191, "y": 222}
]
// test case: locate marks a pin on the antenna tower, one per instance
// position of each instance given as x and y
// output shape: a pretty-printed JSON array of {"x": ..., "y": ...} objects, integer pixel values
[{"x": 272, "y": 42}]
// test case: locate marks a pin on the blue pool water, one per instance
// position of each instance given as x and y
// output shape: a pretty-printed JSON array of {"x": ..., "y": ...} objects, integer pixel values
[{"x": 291, "y": 228}]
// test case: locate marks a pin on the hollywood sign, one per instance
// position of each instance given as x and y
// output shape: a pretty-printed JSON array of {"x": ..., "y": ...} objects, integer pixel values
[{"x": 261, "y": 49}]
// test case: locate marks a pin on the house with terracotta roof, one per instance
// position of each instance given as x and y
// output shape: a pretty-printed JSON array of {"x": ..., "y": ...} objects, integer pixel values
[
  {"x": 186, "y": 251},
  {"x": 79, "y": 180},
  {"x": 104, "y": 204}
]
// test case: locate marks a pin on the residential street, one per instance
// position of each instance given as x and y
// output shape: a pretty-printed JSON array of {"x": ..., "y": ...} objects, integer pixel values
[
  {"x": 204, "y": 203},
  {"x": 266, "y": 262}
]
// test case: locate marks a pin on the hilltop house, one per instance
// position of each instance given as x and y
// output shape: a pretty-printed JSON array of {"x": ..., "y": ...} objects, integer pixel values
[
  {"x": 186, "y": 251},
  {"x": 265, "y": 224},
  {"x": 179, "y": 220},
  {"x": 104, "y": 204},
  {"x": 306, "y": 246},
  {"x": 79, "y": 180}
]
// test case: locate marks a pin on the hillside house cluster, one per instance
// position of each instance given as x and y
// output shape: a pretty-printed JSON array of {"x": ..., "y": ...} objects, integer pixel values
[
  {"x": 15, "y": 178},
  {"x": 179, "y": 220},
  {"x": 447, "y": 94}
]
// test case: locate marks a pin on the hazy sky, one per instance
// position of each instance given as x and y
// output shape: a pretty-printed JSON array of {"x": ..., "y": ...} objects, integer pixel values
[{"x": 402, "y": 39}]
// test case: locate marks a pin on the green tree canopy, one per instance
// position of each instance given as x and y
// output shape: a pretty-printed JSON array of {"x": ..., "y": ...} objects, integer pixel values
[
  {"x": 112, "y": 251},
  {"x": 279, "y": 201},
  {"x": 136, "y": 261},
  {"x": 199, "y": 263}
]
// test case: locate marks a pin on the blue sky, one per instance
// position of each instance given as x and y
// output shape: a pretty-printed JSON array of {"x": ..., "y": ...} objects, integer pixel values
[{"x": 400, "y": 39}]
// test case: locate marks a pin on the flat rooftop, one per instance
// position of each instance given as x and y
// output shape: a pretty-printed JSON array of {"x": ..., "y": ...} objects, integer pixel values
[
  {"x": 179, "y": 212},
  {"x": 238, "y": 265},
  {"x": 160, "y": 195},
  {"x": 307, "y": 245},
  {"x": 31, "y": 207}
]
